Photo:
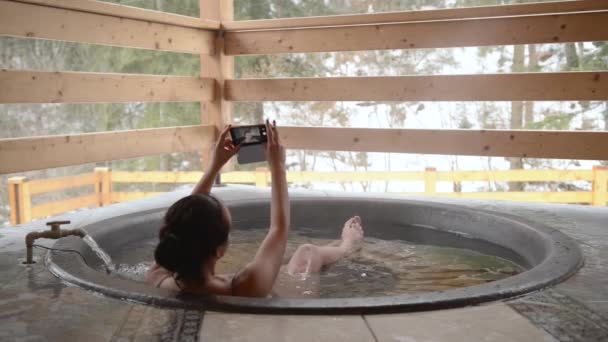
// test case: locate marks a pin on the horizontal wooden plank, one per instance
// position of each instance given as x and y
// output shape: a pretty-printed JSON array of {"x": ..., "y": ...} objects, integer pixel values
[
  {"x": 129, "y": 12},
  {"x": 500, "y": 143},
  {"x": 24, "y": 154},
  {"x": 544, "y": 197},
  {"x": 54, "y": 184},
  {"x": 33, "y": 21},
  {"x": 563, "y": 86},
  {"x": 516, "y": 176},
  {"x": 156, "y": 177},
  {"x": 80, "y": 87},
  {"x": 240, "y": 177},
  {"x": 248, "y": 177},
  {"x": 529, "y": 29},
  {"x": 119, "y": 197},
  {"x": 422, "y": 15},
  {"x": 59, "y": 207},
  {"x": 368, "y": 176}
]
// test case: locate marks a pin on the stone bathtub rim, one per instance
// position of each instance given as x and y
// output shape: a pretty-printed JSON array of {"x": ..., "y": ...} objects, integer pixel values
[{"x": 565, "y": 259}]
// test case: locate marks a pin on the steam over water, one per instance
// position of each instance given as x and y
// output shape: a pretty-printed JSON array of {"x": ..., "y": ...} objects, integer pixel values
[{"x": 379, "y": 268}]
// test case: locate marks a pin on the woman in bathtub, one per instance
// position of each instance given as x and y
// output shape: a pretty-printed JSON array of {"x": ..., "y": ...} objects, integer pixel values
[{"x": 195, "y": 231}]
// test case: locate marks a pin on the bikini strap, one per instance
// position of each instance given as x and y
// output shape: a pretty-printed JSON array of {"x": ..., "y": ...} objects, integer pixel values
[{"x": 163, "y": 279}]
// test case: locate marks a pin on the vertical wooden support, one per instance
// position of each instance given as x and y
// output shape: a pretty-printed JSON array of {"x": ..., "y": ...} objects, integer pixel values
[
  {"x": 430, "y": 180},
  {"x": 20, "y": 200},
  {"x": 219, "y": 67},
  {"x": 103, "y": 186},
  {"x": 261, "y": 177},
  {"x": 600, "y": 185}
]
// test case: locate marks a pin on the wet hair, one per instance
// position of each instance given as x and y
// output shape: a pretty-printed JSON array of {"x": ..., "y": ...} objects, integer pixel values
[{"x": 193, "y": 229}]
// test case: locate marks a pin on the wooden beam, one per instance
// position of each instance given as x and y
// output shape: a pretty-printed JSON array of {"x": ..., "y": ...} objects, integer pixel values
[
  {"x": 156, "y": 177},
  {"x": 368, "y": 176},
  {"x": 528, "y": 29},
  {"x": 562, "y": 86},
  {"x": 80, "y": 87},
  {"x": 55, "y": 184},
  {"x": 544, "y": 197},
  {"x": 515, "y": 176},
  {"x": 20, "y": 200},
  {"x": 33, "y": 21},
  {"x": 421, "y": 15},
  {"x": 500, "y": 143},
  {"x": 128, "y": 12},
  {"x": 219, "y": 67},
  {"x": 25, "y": 154}
]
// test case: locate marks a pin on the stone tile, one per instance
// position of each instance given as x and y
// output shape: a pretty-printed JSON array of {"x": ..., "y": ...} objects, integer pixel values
[
  {"x": 244, "y": 328},
  {"x": 496, "y": 322},
  {"x": 562, "y": 316}
]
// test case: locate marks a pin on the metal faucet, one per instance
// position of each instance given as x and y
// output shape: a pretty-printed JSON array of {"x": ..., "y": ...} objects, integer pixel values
[{"x": 54, "y": 233}]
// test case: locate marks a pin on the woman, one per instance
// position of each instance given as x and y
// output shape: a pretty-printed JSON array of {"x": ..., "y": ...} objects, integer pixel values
[{"x": 195, "y": 233}]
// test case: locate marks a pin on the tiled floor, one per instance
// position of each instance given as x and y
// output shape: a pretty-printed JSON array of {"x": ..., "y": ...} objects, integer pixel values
[
  {"x": 254, "y": 328},
  {"x": 495, "y": 322}
]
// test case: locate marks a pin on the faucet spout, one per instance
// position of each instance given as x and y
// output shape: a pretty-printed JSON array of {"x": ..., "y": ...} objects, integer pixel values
[{"x": 54, "y": 233}]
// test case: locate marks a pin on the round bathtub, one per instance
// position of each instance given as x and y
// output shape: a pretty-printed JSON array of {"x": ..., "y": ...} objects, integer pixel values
[{"x": 547, "y": 255}]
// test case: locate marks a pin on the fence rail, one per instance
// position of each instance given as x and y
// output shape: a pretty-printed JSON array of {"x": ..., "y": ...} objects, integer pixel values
[{"x": 102, "y": 182}]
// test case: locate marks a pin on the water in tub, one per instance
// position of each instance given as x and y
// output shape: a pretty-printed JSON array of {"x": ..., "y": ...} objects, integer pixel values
[{"x": 379, "y": 268}]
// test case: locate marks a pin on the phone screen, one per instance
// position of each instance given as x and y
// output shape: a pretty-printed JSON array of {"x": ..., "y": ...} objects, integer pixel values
[{"x": 249, "y": 135}]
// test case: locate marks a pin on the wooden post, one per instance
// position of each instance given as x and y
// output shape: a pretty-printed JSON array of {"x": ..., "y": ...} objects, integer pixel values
[
  {"x": 600, "y": 185},
  {"x": 103, "y": 186},
  {"x": 219, "y": 67},
  {"x": 20, "y": 200},
  {"x": 430, "y": 180},
  {"x": 261, "y": 177}
]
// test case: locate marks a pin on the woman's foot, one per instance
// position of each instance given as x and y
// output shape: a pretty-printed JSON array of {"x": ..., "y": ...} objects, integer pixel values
[
  {"x": 352, "y": 234},
  {"x": 310, "y": 258}
]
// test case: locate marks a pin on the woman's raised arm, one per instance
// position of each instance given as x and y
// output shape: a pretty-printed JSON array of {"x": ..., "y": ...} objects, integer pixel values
[
  {"x": 224, "y": 150},
  {"x": 258, "y": 277}
]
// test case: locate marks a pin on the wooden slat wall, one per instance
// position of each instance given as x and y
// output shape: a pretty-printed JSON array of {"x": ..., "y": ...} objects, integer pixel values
[
  {"x": 530, "y": 29},
  {"x": 78, "y": 87},
  {"x": 422, "y": 15},
  {"x": 123, "y": 11},
  {"x": 525, "y": 144},
  {"x": 34, "y": 21},
  {"x": 24, "y": 154},
  {"x": 486, "y": 87}
]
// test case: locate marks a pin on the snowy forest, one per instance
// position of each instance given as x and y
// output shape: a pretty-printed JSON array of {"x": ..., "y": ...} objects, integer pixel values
[{"x": 52, "y": 119}]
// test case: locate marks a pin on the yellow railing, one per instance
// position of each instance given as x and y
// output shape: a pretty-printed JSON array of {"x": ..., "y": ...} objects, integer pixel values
[{"x": 102, "y": 180}]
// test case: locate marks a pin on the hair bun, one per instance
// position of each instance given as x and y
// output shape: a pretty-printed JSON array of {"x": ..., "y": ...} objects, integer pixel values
[{"x": 169, "y": 253}]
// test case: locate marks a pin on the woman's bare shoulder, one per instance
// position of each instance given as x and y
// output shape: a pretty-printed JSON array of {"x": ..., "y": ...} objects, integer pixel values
[{"x": 155, "y": 274}]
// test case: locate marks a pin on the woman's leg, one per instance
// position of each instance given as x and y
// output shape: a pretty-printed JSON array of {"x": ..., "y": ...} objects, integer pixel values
[{"x": 311, "y": 258}]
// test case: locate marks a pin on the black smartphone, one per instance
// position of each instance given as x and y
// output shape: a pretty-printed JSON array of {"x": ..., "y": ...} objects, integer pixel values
[
  {"x": 249, "y": 135},
  {"x": 251, "y": 154}
]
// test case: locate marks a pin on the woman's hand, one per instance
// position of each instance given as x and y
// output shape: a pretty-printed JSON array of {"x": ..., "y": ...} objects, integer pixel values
[
  {"x": 275, "y": 153},
  {"x": 224, "y": 149}
]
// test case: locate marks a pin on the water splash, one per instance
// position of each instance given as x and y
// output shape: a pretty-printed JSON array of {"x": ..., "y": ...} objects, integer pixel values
[
  {"x": 107, "y": 260},
  {"x": 135, "y": 272}
]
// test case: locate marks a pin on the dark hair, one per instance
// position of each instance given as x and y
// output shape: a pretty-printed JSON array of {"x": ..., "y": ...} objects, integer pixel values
[{"x": 193, "y": 229}]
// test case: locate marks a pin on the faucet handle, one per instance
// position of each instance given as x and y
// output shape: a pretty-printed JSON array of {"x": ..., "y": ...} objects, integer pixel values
[{"x": 56, "y": 224}]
